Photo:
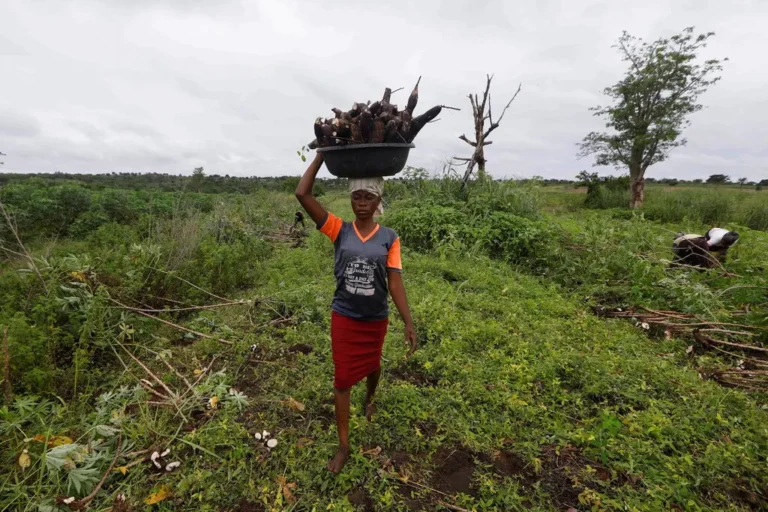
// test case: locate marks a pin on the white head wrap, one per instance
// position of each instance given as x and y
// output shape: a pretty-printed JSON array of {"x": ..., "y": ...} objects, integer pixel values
[
  {"x": 716, "y": 235},
  {"x": 372, "y": 185}
]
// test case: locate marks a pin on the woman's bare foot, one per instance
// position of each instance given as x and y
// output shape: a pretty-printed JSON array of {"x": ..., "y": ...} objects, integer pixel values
[
  {"x": 369, "y": 408},
  {"x": 336, "y": 464}
]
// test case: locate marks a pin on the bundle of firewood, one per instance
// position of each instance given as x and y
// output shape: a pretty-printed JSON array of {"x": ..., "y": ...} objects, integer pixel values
[{"x": 371, "y": 123}]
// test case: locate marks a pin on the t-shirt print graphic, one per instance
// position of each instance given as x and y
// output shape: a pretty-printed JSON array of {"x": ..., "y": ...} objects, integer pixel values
[{"x": 358, "y": 277}]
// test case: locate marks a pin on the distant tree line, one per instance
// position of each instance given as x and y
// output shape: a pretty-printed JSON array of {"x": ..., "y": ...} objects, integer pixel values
[
  {"x": 584, "y": 178},
  {"x": 198, "y": 182},
  {"x": 216, "y": 184}
]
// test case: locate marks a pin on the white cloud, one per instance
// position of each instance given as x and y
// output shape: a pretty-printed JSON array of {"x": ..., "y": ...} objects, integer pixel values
[{"x": 169, "y": 85}]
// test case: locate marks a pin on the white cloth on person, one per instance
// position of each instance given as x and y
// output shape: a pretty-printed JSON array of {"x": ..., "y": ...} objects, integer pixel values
[
  {"x": 682, "y": 236},
  {"x": 372, "y": 185},
  {"x": 715, "y": 236}
]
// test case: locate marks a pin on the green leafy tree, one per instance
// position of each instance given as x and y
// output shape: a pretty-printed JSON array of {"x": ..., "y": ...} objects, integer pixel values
[
  {"x": 742, "y": 181},
  {"x": 651, "y": 104},
  {"x": 198, "y": 175},
  {"x": 718, "y": 179},
  {"x": 594, "y": 188}
]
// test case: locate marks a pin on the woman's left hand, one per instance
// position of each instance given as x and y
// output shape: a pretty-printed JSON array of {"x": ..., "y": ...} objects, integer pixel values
[{"x": 411, "y": 341}]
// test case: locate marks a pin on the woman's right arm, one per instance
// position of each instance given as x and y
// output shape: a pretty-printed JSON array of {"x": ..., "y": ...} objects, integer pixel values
[{"x": 304, "y": 191}]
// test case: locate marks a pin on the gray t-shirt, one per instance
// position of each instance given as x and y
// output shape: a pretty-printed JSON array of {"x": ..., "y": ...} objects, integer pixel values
[{"x": 360, "y": 267}]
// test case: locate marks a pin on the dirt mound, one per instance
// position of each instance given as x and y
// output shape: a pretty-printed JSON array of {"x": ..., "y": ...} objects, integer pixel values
[
  {"x": 361, "y": 500},
  {"x": 454, "y": 470},
  {"x": 302, "y": 348},
  {"x": 510, "y": 464},
  {"x": 414, "y": 376},
  {"x": 249, "y": 506}
]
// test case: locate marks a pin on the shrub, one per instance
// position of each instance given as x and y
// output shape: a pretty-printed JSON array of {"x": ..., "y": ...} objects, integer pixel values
[
  {"x": 224, "y": 268},
  {"x": 499, "y": 234},
  {"x": 516, "y": 239},
  {"x": 121, "y": 206},
  {"x": 87, "y": 223},
  {"x": 32, "y": 370},
  {"x": 606, "y": 192},
  {"x": 426, "y": 227},
  {"x": 518, "y": 199}
]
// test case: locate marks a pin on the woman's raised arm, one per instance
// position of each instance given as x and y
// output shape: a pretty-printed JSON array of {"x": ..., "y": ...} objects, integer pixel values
[{"x": 304, "y": 191}]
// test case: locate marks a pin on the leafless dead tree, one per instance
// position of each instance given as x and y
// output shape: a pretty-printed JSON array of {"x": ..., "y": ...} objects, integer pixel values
[{"x": 480, "y": 116}]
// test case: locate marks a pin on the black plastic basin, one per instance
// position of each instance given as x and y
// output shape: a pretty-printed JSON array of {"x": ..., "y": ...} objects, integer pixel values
[{"x": 365, "y": 160}]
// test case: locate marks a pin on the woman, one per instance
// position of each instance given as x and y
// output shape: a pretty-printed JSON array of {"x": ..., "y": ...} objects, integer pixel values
[
  {"x": 692, "y": 250},
  {"x": 719, "y": 240},
  {"x": 367, "y": 263},
  {"x": 703, "y": 251}
]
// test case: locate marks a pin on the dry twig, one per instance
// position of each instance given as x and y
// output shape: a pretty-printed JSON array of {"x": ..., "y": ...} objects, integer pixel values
[
  {"x": 193, "y": 308},
  {"x": 706, "y": 340},
  {"x": 452, "y": 507},
  {"x": 12, "y": 227},
  {"x": 6, "y": 367},
  {"x": 193, "y": 285},
  {"x": 170, "y": 324},
  {"x": 81, "y": 504}
]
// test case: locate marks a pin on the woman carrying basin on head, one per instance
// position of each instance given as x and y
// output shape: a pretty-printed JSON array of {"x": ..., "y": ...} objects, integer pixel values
[{"x": 367, "y": 269}]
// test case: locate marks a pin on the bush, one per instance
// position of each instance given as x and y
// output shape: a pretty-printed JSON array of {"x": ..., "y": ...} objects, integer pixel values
[
  {"x": 620, "y": 183},
  {"x": 426, "y": 227},
  {"x": 87, "y": 223},
  {"x": 511, "y": 197},
  {"x": 499, "y": 234},
  {"x": 121, "y": 206},
  {"x": 224, "y": 268},
  {"x": 517, "y": 239},
  {"x": 32, "y": 370},
  {"x": 606, "y": 192},
  {"x": 607, "y": 198},
  {"x": 42, "y": 210}
]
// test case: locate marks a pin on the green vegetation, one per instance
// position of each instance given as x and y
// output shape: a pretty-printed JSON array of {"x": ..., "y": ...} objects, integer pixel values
[
  {"x": 520, "y": 397},
  {"x": 699, "y": 204}
]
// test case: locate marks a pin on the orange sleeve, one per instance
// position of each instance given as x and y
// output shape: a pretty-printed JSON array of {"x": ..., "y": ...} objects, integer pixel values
[
  {"x": 331, "y": 227},
  {"x": 393, "y": 256}
]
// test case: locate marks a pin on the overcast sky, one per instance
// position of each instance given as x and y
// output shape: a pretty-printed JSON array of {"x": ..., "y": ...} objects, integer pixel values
[{"x": 234, "y": 86}]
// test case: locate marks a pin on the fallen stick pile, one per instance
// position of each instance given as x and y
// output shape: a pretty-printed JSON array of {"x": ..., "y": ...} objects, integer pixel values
[
  {"x": 286, "y": 233},
  {"x": 736, "y": 341}
]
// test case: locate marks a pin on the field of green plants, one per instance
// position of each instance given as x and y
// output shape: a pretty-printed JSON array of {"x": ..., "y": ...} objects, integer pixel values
[{"x": 564, "y": 364}]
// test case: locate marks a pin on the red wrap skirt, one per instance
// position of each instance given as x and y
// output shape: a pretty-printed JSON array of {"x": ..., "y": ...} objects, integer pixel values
[{"x": 356, "y": 347}]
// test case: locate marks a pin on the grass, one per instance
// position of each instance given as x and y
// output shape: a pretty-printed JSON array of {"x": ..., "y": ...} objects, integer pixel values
[
  {"x": 518, "y": 399},
  {"x": 708, "y": 205}
]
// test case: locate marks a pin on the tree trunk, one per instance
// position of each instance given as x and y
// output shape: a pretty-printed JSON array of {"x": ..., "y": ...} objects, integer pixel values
[
  {"x": 636, "y": 192},
  {"x": 636, "y": 186},
  {"x": 481, "y": 168},
  {"x": 467, "y": 174}
]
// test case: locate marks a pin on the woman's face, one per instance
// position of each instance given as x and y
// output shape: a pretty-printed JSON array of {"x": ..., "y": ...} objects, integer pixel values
[{"x": 364, "y": 204}]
